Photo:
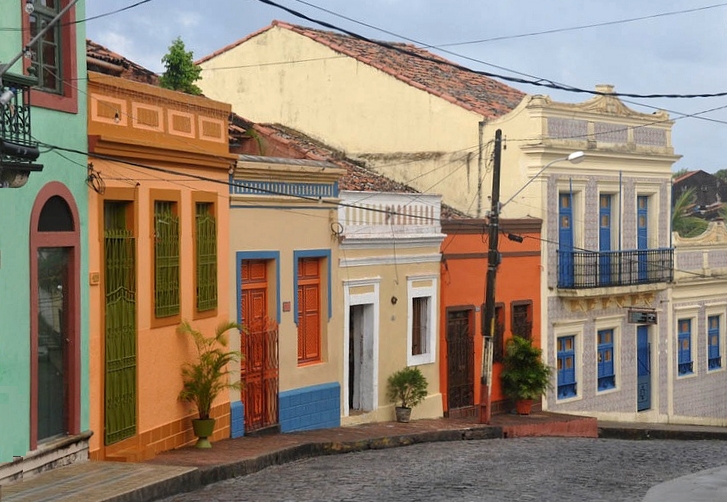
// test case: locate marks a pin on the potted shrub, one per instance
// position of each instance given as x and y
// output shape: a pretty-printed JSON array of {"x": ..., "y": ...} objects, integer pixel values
[
  {"x": 524, "y": 376},
  {"x": 406, "y": 389},
  {"x": 205, "y": 378}
]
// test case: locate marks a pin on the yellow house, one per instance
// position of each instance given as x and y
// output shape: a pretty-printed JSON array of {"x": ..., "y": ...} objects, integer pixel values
[
  {"x": 158, "y": 210},
  {"x": 284, "y": 260}
]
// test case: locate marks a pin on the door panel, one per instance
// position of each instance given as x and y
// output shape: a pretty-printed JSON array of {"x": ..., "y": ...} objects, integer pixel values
[
  {"x": 643, "y": 361},
  {"x": 460, "y": 360}
]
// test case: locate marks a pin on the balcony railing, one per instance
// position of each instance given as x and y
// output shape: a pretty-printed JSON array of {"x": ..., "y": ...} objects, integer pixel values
[
  {"x": 594, "y": 269},
  {"x": 18, "y": 149}
]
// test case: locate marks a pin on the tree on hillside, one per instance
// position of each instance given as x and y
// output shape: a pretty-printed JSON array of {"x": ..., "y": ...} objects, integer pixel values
[
  {"x": 682, "y": 220},
  {"x": 722, "y": 175},
  {"x": 679, "y": 173},
  {"x": 181, "y": 72}
]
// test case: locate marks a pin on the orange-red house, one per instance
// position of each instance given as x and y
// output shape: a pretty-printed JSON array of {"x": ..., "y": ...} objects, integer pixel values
[{"x": 517, "y": 307}]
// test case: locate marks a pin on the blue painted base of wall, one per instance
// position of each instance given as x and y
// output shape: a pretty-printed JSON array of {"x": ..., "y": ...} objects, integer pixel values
[
  {"x": 316, "y": 407},
  {"x": 237, "y": 419}
]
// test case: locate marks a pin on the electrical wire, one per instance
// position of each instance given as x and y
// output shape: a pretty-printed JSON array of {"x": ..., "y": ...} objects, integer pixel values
[{"x": 439, "y": 61}]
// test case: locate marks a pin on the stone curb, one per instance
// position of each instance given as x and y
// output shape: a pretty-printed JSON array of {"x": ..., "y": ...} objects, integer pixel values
[
  {"x": 646, "y": 433},
  {"x": 206, "y": 475}
]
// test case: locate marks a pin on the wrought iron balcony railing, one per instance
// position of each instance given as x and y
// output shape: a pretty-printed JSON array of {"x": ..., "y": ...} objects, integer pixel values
[
  {"x": 594, "y": 269},
  {"x": 18, "y": 149}
]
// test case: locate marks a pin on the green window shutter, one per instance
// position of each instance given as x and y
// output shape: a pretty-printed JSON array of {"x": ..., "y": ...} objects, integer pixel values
[
  {"x": 166, "y": 259},
  {"x": 206, "y": 257}
]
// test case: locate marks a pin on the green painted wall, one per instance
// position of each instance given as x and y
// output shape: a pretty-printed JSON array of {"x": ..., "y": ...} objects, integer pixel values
[{"x": 69, "y": 131}]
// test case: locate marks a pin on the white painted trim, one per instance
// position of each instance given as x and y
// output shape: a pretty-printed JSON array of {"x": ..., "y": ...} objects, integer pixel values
[
  {"x": 613, "y": 323},
  {"x": 362, "y": 241},
  {"x": 349, "y": 300},
  {"x": 389, "y": 260},
  {"x": 430, "y": 292}
]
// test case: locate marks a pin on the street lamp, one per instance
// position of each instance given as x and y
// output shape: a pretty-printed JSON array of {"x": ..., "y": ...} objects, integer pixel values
[{"x": 573, "y": 158}]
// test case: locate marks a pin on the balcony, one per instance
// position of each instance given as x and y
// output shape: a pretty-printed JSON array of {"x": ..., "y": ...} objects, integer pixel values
[
  {"x": 18, "y": 149},
  {"x": 593, "y": 269}
]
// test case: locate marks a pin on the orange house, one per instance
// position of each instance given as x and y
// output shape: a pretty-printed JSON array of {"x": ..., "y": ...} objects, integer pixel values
[
  {"x": 517, "y": 307},
  {"x": 158, "y": 253}
]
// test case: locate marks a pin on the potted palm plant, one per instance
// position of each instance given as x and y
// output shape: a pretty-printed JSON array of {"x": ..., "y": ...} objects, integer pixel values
[
  {"x": 406, "y": 389},
  {"x": 525, "y": 377},
  {"x": 205, "y": 378}
]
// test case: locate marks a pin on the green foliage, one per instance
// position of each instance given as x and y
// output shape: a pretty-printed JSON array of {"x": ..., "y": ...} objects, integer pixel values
[
  {"x": 407, "y": 387},
  {"x": 181, "y": 72},
  {"x": 524, "y": 375},
  {"x": 207, "y": 377},
  {"x": 722, "y": 175},
  {"x": 682, "y": 221},
  {"x": 680, "y": 172}
]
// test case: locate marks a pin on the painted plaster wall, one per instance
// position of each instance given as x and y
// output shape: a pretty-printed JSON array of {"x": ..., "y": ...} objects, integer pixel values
[
  {"x": 286, "y": 230},
  {"x": 69, "y": 131},
  {"x": 400, "y": 264},
  {"x": 464, "y": 271},
  {"x": 402, "y": 132},
  {"x": 160, "y": 350}
]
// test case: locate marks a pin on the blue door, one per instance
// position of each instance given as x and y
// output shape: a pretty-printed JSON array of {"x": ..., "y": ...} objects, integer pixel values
[
  {"x": 643, "y": 361},
  {"x": 642, "y": 219},
  {"x": 604, "y": 240},
  {"x": 565, "y": 240}
]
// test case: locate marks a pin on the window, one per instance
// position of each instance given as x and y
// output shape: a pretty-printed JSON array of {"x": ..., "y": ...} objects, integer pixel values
[
  {"x": 522, "y": 319},
  {"x": 206, "y": 256},
  {"x": 53, "y": 57},
  {"x": 566, "y": 367},
  {"x": 606, "y": 377},
  {"x": 422, "y": 321},
  {"x": 166, "y": 259},
  {"x": 714, "y": 358},
  {"x": 46, "y": 59},
  {"x": 309, "y": 310},
  {"x": 685, "y": 346},
  {"x": 420, "y": 326}
]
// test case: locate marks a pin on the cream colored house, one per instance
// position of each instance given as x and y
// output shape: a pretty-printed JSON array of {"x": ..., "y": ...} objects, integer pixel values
[{"x": 389, "y": 263}]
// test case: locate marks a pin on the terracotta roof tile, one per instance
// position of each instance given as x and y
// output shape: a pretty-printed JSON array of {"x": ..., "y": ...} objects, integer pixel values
[
  {"x": 357, "y": 178},
  {"x": 101, "y": 59},
  {"x": 480, "y": 94}
]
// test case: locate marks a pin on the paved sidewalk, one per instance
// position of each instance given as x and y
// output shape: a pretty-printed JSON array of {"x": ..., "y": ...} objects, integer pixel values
[{"x": 187, "y": 469}]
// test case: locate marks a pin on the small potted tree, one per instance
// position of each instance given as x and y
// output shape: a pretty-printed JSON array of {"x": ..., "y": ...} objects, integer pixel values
[
  {"x": 406, "y": 389},
  {"x": 205, "y": 378},
  {"x": 524, "y": 376}
]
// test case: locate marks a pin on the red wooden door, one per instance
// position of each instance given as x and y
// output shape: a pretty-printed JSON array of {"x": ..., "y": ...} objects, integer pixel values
[{"x": 259, "y": 369}]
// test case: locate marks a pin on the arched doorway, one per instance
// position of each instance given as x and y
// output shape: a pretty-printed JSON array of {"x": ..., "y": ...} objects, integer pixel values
[{"x": 54, "y": 315}]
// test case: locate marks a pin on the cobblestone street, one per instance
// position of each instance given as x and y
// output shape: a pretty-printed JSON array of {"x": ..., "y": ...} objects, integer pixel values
[{"x": 538, "y": 469}]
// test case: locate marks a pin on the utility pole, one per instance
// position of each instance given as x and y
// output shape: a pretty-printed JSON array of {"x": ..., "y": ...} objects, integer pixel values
[{"x": 493, "y": 260}]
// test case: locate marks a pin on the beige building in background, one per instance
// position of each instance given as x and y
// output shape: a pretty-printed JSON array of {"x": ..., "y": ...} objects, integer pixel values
[{"x": 390, "y": 271}]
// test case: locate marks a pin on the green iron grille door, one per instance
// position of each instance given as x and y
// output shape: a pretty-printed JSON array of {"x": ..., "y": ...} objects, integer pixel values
[
  {"x": 166, "y": 259},
  {"x": 206, "y": 257},
  {"x": 120, "y": 325}
]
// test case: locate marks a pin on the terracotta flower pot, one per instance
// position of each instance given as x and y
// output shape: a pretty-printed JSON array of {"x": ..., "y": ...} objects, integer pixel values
[{"x": 523, "y": 406}]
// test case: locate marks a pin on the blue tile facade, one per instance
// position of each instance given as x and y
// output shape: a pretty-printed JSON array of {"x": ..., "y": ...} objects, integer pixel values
[
  {"x": 237, "y": 419},
  {"x": 316, "y": 407}
]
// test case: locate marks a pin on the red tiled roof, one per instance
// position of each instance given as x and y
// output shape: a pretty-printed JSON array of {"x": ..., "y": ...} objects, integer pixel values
[
  {"x": 295, "y": 144},
  {"x": 101, "y": 59},
  {"x": 433, "y": 74},
  {"x": 685, "y": 176}
]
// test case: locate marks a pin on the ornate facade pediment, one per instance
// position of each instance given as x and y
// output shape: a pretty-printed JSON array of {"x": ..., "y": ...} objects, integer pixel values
[
  {"x": 626, "y": 300},
  {"x": 715, "y": 234}
]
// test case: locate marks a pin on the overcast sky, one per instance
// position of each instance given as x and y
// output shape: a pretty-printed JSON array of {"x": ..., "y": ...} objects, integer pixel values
[{"x": 681, "y": 53}]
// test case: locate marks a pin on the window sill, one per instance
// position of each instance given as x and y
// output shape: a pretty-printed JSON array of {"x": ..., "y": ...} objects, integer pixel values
[{"x": 420, "y": 359}]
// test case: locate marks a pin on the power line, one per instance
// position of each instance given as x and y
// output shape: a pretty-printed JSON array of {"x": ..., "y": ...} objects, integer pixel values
[
  {"x": 583, "y": 27},
  {"x": 537, "y": 82}
]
